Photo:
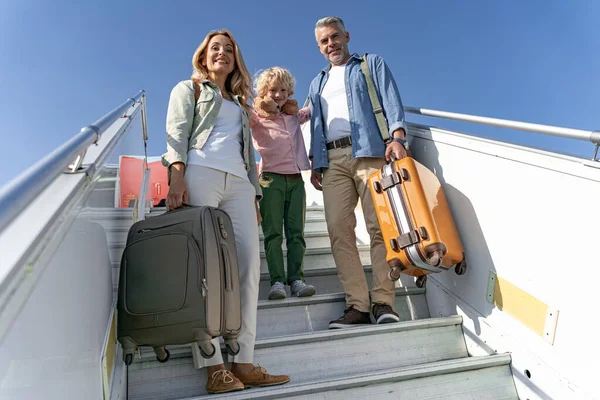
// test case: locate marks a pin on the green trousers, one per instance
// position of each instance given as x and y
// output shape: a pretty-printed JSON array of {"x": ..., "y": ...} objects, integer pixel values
[{"x": 283, "y": 208}]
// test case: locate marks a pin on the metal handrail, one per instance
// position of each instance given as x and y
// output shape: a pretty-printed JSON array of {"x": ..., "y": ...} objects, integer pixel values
[
  {"x": 579, "y": 134},
  {"x": 23, "y": 189}
]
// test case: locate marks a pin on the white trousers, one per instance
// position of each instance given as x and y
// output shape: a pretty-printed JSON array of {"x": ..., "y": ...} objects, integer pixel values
[{"x": 235, "y": 196}]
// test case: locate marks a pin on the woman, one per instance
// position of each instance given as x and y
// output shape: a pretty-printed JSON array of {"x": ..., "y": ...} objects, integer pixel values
[{"x": 211, "y": 161}]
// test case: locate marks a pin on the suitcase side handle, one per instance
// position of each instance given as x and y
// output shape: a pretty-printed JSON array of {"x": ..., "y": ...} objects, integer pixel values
[
  {"x": 183, "y": 205},
  {"x": 408, "y": 154}
]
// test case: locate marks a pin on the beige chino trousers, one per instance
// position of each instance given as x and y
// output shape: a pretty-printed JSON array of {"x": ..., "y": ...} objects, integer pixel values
[{"x": 344, "y": 183}]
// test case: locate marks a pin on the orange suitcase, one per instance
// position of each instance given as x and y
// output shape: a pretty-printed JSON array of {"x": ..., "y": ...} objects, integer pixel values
[{"x": 416, "y": 222}]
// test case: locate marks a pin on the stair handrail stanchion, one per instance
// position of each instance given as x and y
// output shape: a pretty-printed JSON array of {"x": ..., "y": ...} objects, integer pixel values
[
  {"x": 140, "y": 213},
  {"x": 144, "y": 118}
]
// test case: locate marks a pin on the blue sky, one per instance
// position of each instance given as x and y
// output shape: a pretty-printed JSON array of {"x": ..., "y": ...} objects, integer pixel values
[{"x": 64, "y": 64}]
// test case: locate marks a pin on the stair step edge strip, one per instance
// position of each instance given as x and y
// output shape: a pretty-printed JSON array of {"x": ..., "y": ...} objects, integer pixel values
[
  {"x": 182, "y": 351},
  {"x": 338, "y": 334},
  {"x": 326, "y": 298},
  {"x": 381, "y": 377}
]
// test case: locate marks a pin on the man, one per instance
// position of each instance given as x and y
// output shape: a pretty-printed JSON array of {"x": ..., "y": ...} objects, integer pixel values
[{"x": 346, "y": 147}]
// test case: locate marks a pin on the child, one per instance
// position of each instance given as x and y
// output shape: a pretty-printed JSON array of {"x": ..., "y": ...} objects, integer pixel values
[{"x": 275, "y": 123}]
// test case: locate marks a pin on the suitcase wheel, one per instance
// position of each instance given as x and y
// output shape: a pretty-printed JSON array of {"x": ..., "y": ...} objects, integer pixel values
[
  {"x": 203, "y": 353},
  {"x": 128, "y": 359},
  {"x": 164, "y": 360},
  {"x": 436, "y": 258},
  {"x": 394, "y": 274},
  {"x": 461, "y": 268},
  {"x": 233, "y": 351},
  {"x": 421, "y": 281}
]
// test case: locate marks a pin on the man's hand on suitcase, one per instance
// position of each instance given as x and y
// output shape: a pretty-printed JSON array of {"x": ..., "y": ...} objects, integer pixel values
[
  {"x": 394, "y": 147},
  {"x": 177, "y": 191},
  {"x": 398, "y": 150}
]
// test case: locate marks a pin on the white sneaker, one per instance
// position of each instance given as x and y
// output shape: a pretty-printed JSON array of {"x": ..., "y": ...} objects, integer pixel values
[
  {"x": 301, "y": 289},
  {"x": 277, "y": 291}
]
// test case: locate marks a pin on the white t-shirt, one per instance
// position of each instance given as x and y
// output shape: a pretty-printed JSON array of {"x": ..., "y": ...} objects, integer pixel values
[
  {"x": 223, "y": 148},
  {"x": 334, "y": 104}
]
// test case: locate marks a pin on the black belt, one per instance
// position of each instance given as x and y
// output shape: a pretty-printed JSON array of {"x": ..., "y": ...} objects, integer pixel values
[{"x": 343, "y": 142}]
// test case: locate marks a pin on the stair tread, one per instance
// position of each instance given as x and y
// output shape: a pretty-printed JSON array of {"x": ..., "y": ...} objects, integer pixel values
[
  {"x": 421, "y": 353},
  {"x": 313, "y": 314},
  {"x": 325, "y": 298},
  {"x": 328, "y": 335},
  {"x": 311, "y": 234},
  {"x": 314, "y": 357},
  {"x": 495, "y": 365},
  {"x": 360, "y": 380},
  {"x": 101, "y": 213},
  {"x": 308, "y": 252}
]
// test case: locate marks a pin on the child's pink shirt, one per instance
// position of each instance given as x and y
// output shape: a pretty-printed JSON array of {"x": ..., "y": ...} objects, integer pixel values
[{"x": 279, "y": 142}]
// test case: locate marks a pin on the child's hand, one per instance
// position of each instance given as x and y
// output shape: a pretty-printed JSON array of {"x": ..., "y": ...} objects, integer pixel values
[
  {"x": 290, "y": 107},
  {"x": 265, "y": 107}
]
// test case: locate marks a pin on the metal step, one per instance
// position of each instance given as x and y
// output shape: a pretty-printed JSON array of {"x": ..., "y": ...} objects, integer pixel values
[
  {"x": 325, "y": 280},
  {"x": 294, "y": 316},
  {"x": 312, "y": 358},
  {"x": 482, "y": 377},
  {"x": 314, "y": 313},
  {"x": 313, "y": 239},
  {"x": 123, "y": 217},
  {"x": 117, "y": 235},
  {"x": 310, "y": 210},
  {"x": 319, "y": 258},
  {"x": 313, "y": 258}
]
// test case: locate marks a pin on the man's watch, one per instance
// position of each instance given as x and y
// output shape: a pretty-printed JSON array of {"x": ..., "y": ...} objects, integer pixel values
[{"x": 398, "y": 140}]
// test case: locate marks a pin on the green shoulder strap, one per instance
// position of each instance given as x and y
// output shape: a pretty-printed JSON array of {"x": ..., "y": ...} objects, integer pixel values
[{"x": 377, "y": 110}]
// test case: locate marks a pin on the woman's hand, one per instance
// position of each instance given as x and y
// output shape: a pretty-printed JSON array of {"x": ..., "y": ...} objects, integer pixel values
[
  {"x": 178, "y": 193},
  {"x": 258, "y": 216}
]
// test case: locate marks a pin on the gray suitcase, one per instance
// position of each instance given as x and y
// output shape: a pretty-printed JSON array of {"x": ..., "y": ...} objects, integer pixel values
[{"x": 179, "y": 283}]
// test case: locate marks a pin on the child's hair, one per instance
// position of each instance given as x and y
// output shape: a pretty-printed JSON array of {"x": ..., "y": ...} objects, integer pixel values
[{"x": 277, "y": 74}]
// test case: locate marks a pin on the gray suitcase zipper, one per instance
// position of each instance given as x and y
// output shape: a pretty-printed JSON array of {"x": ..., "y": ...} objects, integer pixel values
[
  {"x": 222, "y": 310},
  {"x": 146, "y": 230},
  {"x": 224, "y": 275}
]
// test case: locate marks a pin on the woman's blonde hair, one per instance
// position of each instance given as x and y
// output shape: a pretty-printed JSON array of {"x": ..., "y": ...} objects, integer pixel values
[
  {"x": 238, "y": 82},
  {"x": 274, "y": 74}
]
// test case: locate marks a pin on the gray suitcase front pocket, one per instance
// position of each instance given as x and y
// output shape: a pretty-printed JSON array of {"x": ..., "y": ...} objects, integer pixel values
[{"x": 156, "y": 273}]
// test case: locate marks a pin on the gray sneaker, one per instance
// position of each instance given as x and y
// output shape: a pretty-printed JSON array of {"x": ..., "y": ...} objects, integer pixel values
[
  {"x": 301, "y": 289},
  {"x": 277, "y": 291}
]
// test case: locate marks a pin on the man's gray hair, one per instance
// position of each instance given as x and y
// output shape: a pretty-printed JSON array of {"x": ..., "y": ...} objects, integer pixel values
[{"x": 329, "y": 21}]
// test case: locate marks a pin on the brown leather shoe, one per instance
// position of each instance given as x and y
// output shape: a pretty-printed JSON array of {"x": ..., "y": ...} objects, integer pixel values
[
  {"x": 260, "y": 378},
  {"x": 223, "y": 381}
]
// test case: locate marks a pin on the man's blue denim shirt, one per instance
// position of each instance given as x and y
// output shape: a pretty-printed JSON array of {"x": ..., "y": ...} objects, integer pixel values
[{"x": 366, "y": 138}]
